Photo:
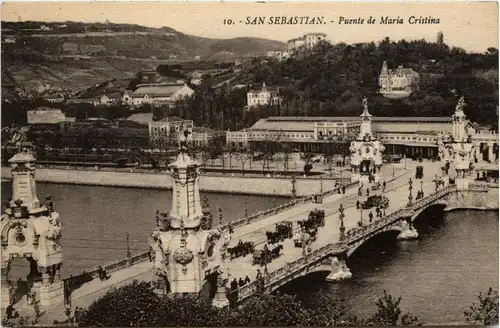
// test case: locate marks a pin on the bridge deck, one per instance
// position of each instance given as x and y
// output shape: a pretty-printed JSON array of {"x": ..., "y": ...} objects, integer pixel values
[{"x": 397, "y": 192}]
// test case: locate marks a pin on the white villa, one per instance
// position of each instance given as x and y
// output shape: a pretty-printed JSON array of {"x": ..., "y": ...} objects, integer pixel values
[{"x": 262, "y": 97}]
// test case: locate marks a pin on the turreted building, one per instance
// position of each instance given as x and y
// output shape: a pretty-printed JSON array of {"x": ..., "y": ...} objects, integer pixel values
[{"x": 397, "y": 83}]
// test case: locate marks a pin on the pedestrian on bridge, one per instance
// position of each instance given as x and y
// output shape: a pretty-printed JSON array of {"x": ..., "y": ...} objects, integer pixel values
[
  {"x": 358, "y": 204},
  {"x": 241, "y": 283},
  {"x": 370, "y": 216},
  {"x": 247, "y": 279},
  {"x": 383, "y": 186},
  {"x": 367, "y": 191}
]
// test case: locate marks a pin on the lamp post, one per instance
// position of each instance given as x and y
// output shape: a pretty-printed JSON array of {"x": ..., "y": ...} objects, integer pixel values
[
  {"x": 274, "y": 198},
  {"x": 67, "y": 309},
  {"x": 361, "y": 211},
  {"x": 393, "y": 169},
  {"x": 341, "y": 217},
  {"x": 422, "y": 187},
  {"x": 246, "y": 209},
  {"x": 294, "y": 191},
  {"x": 410, "y": 196},
  {"x": 304, "y": 246},
  {"x": 321, "y": 184},
  {"x": 129, "y": 255}
]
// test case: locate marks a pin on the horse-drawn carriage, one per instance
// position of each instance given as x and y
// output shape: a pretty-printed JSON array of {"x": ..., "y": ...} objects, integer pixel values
[
  {"x": 375, "y": 201},
  {"x": 419, "y": 174},
  {"x": 304, "y": 237},
  {"x": 242, "y": 249},
  {"x": 267, "y": 254},
  {"x": 282, "y": 231},
  {"x": 316, "y": 219}
]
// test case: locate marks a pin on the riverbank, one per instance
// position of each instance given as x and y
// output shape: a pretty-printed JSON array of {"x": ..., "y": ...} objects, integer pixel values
[{"x": 261, "y": 186}]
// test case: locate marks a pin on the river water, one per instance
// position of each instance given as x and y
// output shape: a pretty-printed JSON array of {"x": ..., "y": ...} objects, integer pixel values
[
  {"x": 438, "y": 276},
  {"x": 95, "y": 220}
]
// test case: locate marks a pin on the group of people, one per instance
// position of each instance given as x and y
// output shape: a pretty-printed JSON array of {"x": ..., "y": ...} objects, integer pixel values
[
  {"x": 420, "y": 194},
  {"x": 103, "y": 274},
  {"x": 235, "y": 284}
]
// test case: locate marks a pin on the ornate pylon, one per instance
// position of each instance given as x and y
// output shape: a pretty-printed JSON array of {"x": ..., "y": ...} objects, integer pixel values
[
  {"x": 187, "y": 249},
  {"x": 366, "y": 150},
  {"x": 32, "y": 231},
  {"x": 457, "y": 149}
]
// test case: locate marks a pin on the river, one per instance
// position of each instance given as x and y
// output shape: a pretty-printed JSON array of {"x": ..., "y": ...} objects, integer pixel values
[
  {"x": 438, "y": 276},
  {"x": 95, "y": 220}
]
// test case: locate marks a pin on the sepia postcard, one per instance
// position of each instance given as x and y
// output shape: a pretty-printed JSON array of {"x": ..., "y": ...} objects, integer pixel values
[{"x": 249, "y": 164}]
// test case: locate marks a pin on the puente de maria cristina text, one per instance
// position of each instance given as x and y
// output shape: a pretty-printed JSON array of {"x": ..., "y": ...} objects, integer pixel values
[{"x": 192, "y": 248}]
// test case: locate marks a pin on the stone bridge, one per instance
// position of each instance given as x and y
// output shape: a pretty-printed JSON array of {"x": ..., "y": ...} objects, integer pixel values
[{"x": 322, "y": 258}]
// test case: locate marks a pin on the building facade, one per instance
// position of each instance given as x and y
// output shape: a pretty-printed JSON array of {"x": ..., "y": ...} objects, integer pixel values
[
  {"x": 157, "y": 94},
  {"x": 167, "y": 130},
  {"x": 309, "y": 41},
  {"x": 405, "y": 136},
  {"x": 262, "y": 97},
  {"x": 400, "y": 80},
  {"x": 279, "y": 55}
]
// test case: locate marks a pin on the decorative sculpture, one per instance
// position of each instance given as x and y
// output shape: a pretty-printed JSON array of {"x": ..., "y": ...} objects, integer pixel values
[
  {"x": 183, "y": 255},
  {"x": 17, "y": 137}
]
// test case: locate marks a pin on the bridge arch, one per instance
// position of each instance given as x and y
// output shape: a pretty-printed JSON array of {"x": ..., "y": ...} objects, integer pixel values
[
  {"x": 441, "y": 203},
  {"x": 394, "y": 229}
]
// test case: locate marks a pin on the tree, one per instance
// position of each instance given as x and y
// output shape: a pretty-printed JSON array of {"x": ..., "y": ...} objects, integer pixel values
[
  {"x": 244, "y": 155},
  {"x": 271, "y": 310},
  {"x": 158, "y": 113},
  {"x": 389, "y": 314},
  {"x": 136, "y": 304},
  {"x": 486, "y": 311}
]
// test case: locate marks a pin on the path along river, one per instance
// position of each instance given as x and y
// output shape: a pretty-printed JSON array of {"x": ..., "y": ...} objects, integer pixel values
[{"x": 438, "y": 276}]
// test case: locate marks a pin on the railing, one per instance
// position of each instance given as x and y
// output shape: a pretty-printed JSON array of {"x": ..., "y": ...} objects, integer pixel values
[
  {"x": 482, "y": 186},
  {"x": 284, "y": 207},
  {"x": 272, "y": 280},
  {"x": 114, "y": 266}
]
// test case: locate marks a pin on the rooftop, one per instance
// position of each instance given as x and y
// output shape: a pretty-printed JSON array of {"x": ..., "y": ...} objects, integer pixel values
[
  {"x": 355, "y": 118},
  {"x": 157, "y": 90}
]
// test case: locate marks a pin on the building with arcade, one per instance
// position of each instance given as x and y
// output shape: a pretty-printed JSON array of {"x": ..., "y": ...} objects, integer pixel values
[{"x": 405, "y": 136}]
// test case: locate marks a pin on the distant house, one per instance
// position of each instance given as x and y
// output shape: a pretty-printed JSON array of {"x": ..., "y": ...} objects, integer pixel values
[
  {"x": 398, "y": 82},
  {"x": 279, "y": 55},
  {"x": 309, "y": 41},
  {"x": 163, "y": 93},
  {"x": 53, "y": 98},
  {"x": 263, "y": 97},
  {"x": 141, "y": 118},
  {"x": 91, "y": 101},
  {"x": 150, "y": 76},
  {"x": 46, "y": 115}
]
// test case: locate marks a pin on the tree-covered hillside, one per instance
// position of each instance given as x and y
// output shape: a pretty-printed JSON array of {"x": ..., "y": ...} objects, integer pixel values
[{"x": 332, "y": 80}]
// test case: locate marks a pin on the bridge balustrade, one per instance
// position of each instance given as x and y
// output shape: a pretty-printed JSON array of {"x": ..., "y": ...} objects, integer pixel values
[{"x": 284, "y": 207}]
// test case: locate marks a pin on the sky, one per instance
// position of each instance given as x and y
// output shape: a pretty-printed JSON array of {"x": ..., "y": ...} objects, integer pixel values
[{"x": 469, "y": 25}]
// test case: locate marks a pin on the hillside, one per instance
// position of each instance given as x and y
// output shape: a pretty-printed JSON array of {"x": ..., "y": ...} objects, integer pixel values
[{"x": 77, "y": 54}]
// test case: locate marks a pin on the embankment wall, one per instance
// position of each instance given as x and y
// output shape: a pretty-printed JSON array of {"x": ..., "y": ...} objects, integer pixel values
[{"x": 267, "y": 186}]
